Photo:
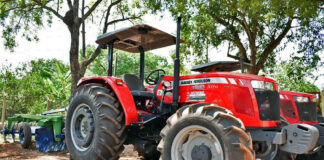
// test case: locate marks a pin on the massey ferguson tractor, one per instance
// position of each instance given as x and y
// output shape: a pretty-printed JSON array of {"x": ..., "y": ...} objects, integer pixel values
[
  {"x": 206, "y": 116},
  {"x": 296, "y": 107}
]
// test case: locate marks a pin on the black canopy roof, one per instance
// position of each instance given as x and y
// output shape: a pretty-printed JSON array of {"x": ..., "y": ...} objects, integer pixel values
[
  {"x": 217, "y": 66},
  {"x": 129, "y": 39}
]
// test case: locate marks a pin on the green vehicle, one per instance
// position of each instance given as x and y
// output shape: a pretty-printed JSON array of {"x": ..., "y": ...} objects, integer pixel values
[{"x": 47, "y": 129}]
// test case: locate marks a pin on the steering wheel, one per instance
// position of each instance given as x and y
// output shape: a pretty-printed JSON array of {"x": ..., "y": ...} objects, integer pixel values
[{"x": 152, "y": 81}]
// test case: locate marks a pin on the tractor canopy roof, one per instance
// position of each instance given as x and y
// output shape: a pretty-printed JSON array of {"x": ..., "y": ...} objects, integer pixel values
[
  {"x": 131, "y": 38},
  {"x": 219, "y": 66}
]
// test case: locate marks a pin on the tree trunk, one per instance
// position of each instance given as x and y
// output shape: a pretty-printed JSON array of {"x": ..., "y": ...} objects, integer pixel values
[
  {"x": 3, "y": 117},
  {"x": 74, "y": 58},
  {"x": 74, "y": 50}
]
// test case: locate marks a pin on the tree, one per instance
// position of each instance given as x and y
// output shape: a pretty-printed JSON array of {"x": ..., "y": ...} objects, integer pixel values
[
  {"x": 29, "y": 16},
  {"x": 28, "y": 85},
  {"x": 255, "y": 29},
  {"x": 295, "y": 75}
]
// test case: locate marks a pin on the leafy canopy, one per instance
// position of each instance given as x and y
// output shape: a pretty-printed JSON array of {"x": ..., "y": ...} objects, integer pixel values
[
  {"x": 295, "y": 75},
  {"x": 30, "y": 85},
  {"x": 253, "y": 29}
]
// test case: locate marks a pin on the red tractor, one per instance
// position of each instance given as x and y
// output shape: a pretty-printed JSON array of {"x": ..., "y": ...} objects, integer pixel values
[
  {"x": 297, "y": 107},
  {"x": 207, "y": 116}
]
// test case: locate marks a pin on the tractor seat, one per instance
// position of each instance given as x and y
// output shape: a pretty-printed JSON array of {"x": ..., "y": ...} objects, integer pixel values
[{"x": 136, "y": 87}]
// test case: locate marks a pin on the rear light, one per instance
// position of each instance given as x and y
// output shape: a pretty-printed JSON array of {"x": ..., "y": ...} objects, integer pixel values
[
  {"x": 119, "y": 82},
  {"x": 301, "y": 99},
  {"x": 262, "y": 85}
]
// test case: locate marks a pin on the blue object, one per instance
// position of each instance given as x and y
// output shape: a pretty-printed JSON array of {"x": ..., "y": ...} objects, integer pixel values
[
  {"x": 21, "y": 136},
  {"x": 5, "y": 132},
  {"x": 45, "y": 141},
  {"x": 13, "y": 132}
]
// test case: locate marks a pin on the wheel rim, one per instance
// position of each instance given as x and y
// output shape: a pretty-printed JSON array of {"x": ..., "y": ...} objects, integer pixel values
[
  {"x": 270, "y": 153},
  {"x": 196, "y": 141},
  {"x": 21, "y": 136},
  {"x": 82, "y": 127}
]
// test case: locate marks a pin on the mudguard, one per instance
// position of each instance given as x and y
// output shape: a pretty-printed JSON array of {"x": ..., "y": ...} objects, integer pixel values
[{"x": 122, "y": 92}]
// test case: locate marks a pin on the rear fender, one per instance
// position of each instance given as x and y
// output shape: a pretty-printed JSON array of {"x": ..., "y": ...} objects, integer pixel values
[{"x": 122, "y": 92}]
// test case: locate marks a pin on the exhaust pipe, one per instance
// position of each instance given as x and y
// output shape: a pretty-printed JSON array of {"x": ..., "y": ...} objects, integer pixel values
[{"x": 176, "y": 70}]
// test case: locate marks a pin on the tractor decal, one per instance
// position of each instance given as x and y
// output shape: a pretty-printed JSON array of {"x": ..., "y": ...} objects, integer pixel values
[{"x": 218, "y": 80}]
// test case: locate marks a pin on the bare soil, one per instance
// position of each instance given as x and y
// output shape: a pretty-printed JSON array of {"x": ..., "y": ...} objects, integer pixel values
[{"x": 13, "y": 150}]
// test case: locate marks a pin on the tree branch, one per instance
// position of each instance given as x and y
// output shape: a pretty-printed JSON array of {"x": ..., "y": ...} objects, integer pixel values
[
  {"x": 86, "y": 15},
  {"x": 70, "y": 4},
  {"x": 50, "y": 9},
  {"x": 234, "y": 32},
  {"x": 107, "y": 15},
  {"x": 93, "y": 57},
  {"x": 120, "y": 20},
  {"x": 272, "y": 45},
  {"x": 98, "y": 49}
]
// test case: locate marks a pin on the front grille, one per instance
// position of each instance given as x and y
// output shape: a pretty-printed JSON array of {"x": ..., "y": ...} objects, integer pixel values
[
  {"x": 269, "y": 105},
  {"x": 287, "y": 108},
  {"x": 306, "y": 110}
]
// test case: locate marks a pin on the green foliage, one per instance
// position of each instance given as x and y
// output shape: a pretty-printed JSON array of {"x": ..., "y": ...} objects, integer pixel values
[
  {"x": 255, "y": 29},
  {"x": 28, "y": 86},
  {"x": 27, "y": 17},
  {"x": 24, "y": 15},
  {"x": 294, "y": 75},
  {"x": 127, "y": 63}
]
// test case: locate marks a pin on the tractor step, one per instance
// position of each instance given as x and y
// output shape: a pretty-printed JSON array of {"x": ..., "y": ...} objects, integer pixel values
[{"x": 144, "y": 118}]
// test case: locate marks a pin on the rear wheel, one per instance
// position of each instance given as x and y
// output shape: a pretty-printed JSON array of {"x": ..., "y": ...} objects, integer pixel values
[
  {"x": 206, "y": 132},
  {"x": 95, "y": 124},
  {"x": 25, "y": 135}
]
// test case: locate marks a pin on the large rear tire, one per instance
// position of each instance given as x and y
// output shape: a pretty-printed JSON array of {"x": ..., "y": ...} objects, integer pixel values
[
  {"x": 95, "y": 124},
  {"x": 206, "y": 132}
]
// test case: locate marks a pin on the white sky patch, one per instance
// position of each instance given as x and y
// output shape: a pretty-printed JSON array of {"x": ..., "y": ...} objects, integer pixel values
[{"x": 55, "y": 43}]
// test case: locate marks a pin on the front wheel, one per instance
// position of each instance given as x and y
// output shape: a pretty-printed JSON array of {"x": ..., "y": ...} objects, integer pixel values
[
  {"x": 206, "y": 132},
  {"x": 95, "y": 124},
  {"x": 25, "y": 135}
]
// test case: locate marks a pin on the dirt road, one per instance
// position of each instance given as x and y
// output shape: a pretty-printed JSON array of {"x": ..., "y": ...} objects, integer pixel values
[{"x": 13, "y": 151}]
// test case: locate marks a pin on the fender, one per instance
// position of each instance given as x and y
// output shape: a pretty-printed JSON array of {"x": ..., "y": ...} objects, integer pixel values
[{"x": 122, "y": 92}]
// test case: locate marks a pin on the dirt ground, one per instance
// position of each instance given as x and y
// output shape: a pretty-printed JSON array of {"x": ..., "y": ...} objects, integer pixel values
[{"x": 13, "y": 151}]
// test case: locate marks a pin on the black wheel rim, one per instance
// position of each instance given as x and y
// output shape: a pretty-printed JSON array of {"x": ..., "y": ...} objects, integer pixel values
[{"x": 82, "y": 127}]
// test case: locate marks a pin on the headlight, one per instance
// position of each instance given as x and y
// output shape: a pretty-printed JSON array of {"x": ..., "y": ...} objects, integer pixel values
[
  {"x": 301, "y": 99},
  {"x": 262, "y": 85}
]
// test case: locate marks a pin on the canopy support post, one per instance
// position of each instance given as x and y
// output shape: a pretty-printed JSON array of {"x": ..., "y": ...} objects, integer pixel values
[{"x": 142, "y": 63}]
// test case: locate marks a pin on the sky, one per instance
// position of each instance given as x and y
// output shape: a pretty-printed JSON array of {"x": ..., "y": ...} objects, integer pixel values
[{"x": 55, "y": 42}]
